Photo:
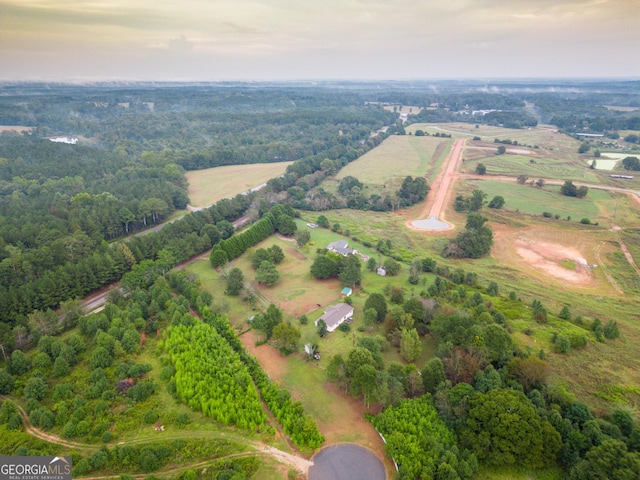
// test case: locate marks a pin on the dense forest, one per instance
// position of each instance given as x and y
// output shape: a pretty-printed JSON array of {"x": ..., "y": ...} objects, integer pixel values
[{"x": 63, "y": 205}]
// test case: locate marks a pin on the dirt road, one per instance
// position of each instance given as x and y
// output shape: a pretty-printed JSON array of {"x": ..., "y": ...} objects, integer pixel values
[
  {"x": 445, "y": 184},
  {"x": 300, "y": 464},
  {"x": 432, "y": 217}
]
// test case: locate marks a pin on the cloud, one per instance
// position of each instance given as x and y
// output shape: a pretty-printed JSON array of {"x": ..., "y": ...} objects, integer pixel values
[
  {"x": 180, "y": 44},
  {"x": 332, "y": 38}
]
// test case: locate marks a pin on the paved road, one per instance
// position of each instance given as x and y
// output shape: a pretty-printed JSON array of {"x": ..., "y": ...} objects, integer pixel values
[{"x": 346, "y": 461}]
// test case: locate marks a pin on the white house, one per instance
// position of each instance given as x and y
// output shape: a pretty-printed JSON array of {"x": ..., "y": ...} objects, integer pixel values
[
  {"x": 341, "y": 247},
  {"x": 335, "y": 315}
]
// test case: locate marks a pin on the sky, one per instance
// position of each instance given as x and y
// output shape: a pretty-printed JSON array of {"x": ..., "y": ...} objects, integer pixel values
[{"x": 213, "y": 40}]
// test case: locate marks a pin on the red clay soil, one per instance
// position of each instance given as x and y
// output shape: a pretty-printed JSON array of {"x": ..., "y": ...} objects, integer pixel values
[
  {"x": 442, "y": 188},
  {"x": 272, "y": 361}
]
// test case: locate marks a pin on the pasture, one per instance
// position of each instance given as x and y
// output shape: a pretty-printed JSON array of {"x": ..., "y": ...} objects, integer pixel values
[
  {"x": 535, "y": 200},
  {"x": 396, "y": 157},
  {"x": 545, "y": 136},
  {"x": 212, "y": 184},
  {"x": 541, "y": 142},
  {"x": 534, "y": 166}
]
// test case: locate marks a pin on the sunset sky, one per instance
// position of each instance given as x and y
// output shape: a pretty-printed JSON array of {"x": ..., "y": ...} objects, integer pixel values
[{"x": 320, "y": 39}]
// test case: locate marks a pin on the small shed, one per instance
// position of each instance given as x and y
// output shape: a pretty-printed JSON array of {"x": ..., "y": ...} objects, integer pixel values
[
  {"x": 346, "y": 291},
  {"x": 381, "y": 271}
]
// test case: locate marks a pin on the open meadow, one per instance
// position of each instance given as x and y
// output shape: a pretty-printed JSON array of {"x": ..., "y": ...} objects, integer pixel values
[
  {"x": 535, "y": 200},
  {"x": 541, "y": 151},
  {"x": 396, "y": 157},
  {"x": 212, "y": 184}
]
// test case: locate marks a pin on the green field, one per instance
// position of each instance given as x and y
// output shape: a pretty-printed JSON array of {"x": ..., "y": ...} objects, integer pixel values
[
  {"x": 545, "y": 136},
  {"x": 534, "y": 200},
  {"x": 397, "y": 157},
  {"x": 212, "y": 184}
]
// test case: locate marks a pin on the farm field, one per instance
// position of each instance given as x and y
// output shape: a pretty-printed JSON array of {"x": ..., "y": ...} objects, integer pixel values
[
  {"x": 406, "y": 109},
  {"x": 545, "y": 136},
  {"x": 212, "y": 184},
  {"x": 534, "y": 200},
  {"x": 616, "y": 155},
  {"x": 533, "y": 166},
  {"x": 542, "y": 144},
  {"x": 396, "y": 157},
  {"x": 604, "y": 164}
]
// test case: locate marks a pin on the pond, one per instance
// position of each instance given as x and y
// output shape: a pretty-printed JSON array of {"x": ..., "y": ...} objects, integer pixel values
[{"x": 346, "y": 461}]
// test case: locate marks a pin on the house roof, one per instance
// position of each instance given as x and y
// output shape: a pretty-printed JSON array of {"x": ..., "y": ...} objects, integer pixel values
[
  {"x": 335, "y": 314},
  {"x": 341, "y": 247},
  {"x": 346, "y": 291}
]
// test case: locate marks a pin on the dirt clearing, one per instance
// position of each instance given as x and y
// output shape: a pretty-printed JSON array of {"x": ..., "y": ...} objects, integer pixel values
[
  {"x": 273, "y": 362},
  {"x": 555, "y": 256},
  {"x": 564, "y": 263}
]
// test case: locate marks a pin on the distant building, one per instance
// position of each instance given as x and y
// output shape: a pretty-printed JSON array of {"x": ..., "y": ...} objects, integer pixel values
[
  {"x": 341, "y": 247},
  {"x": 346, "y": 291},
  {"x": 381, "y": 271},
  {"x": 312, "y": 225},
  {"x": 336, "y": 315},
  {"x": 69, "y": 140}
]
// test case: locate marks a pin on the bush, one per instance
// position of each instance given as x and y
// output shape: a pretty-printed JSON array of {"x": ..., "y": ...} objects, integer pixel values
[
  {"x": 611, "y": 330},
  {"x": 563, "y": 343},
  {"x": 150, "y": 417},
  {"x": 585, "y": 221},
  {"x": 6, "y": 383},
  {"x": 183, "y": 419},
  {"x": 69, "y": 429},
  {"x": 344, "y": 327},
  {"x": 35, "y": 388}
]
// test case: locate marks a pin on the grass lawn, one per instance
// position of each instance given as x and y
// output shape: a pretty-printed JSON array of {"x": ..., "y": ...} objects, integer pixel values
[{"x": 212, "y": 184}]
